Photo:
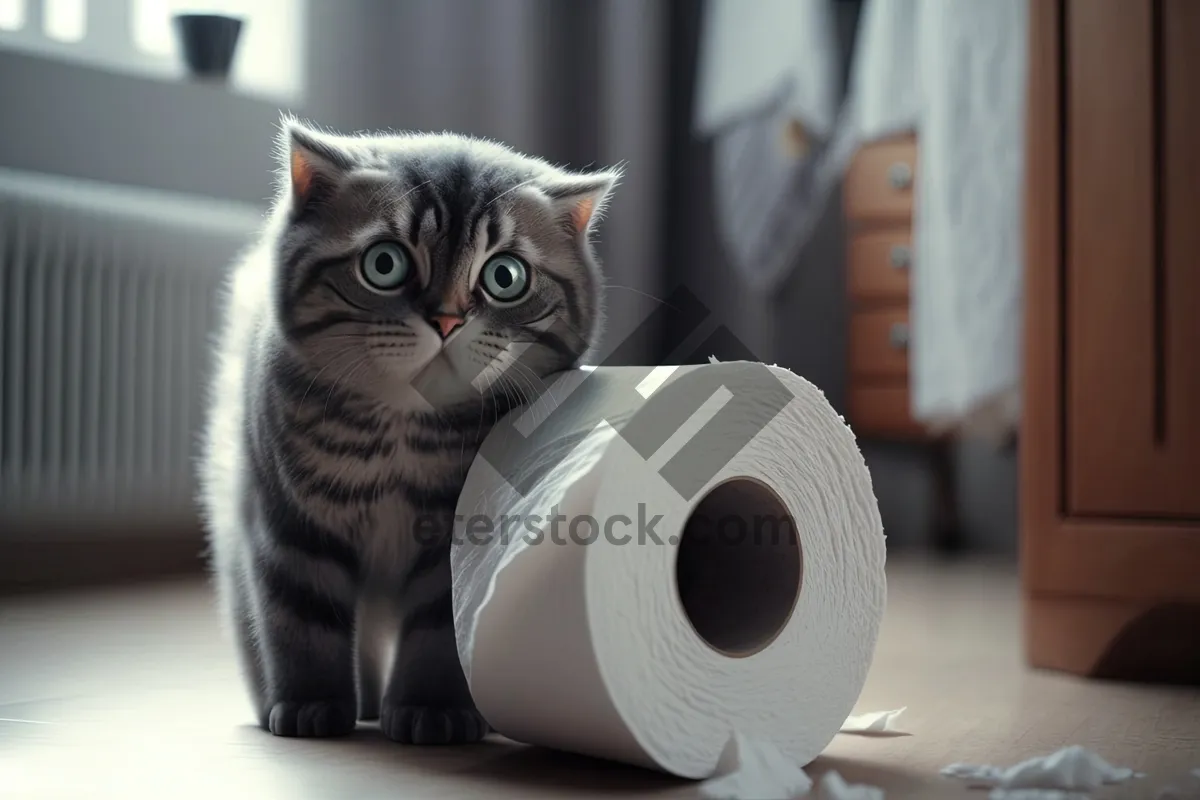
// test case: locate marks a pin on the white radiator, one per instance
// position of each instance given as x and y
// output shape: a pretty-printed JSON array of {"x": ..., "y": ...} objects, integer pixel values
[{"x": 107, "y": 311}]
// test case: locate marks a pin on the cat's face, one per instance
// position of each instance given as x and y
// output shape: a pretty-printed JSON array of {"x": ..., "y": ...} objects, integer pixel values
[{"x": 429, "y": 270}]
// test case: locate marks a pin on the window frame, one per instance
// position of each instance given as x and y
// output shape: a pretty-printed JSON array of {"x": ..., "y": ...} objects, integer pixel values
[{"x": 110, "y": 42}]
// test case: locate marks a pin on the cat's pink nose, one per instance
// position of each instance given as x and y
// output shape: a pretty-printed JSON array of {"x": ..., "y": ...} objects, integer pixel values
[{"x": 446, "y": 323}]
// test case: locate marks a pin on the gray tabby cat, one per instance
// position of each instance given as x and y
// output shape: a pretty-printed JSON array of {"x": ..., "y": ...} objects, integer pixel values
[{"x": 394, "y": 276}]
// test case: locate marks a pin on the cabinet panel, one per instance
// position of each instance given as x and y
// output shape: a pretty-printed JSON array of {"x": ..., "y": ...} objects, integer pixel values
[
  {"x": 878, "y": 264},
  {"x": 879, "y": 181},
  {"x": 879, "y": 343},
  {"x": 883, "y": 410},
  {"x": 1132, "y": 255},
  {"x": 1181, "y": 227}
]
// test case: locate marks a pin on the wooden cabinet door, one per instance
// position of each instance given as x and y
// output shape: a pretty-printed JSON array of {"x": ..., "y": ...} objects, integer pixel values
[{"x": 1132, "y": 255}]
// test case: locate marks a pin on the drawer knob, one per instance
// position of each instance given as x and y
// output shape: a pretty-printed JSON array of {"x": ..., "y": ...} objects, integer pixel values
[
  {"x": 900, "y": 256},
  {"x": 900, "y": 175},
  {"x": 898, "y": 336}
]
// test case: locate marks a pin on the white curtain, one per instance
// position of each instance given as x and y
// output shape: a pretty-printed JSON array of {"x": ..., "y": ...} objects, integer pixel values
[{"x": 955, "y": 72}]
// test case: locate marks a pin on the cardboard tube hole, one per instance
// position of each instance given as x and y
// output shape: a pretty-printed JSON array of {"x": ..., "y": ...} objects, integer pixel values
[{"x": 739, "y": 567}]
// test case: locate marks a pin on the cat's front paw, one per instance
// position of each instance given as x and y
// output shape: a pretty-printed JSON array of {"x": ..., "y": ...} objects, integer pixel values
[
  {"x": 315, "y": 719},
  {"x": 427, "y": 725}
]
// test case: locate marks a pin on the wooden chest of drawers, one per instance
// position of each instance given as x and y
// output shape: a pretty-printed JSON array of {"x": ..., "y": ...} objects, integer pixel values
[
  {"x": 879, "y": 197},
  {"x": 879, "y": 194}
]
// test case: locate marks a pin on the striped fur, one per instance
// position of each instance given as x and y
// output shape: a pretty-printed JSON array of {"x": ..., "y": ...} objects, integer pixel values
[{"x": 342, "y": 423}]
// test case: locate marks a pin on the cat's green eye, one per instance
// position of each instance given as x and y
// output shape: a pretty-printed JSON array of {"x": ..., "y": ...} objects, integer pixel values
[
  {"x": 385, "y": 267},
  {"x": 505, "y": 277}
]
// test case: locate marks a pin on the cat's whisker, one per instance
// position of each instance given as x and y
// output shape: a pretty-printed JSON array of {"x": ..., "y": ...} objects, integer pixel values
[
  {"x": 345, "y": 374},
  {"x": 529, "y": 373},
  {"x": 396, "y": 203},
  {"x": 504, "y": 385},
  {"x": 383, "y": 193},
  {"x": 313, "y": 382},
  {"x": 521, "y": 185},
  {"x": 635, "y": 290}
]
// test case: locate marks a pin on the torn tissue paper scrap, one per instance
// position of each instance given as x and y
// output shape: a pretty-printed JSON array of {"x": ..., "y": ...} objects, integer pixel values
[
  {"x": 1036, "y": 794},
  {"x": 875, "y": 723},
  {"x": 1071, "y": 769},
  {"x": 834, "y": 787},
  {"x": 750, "y": 769}
]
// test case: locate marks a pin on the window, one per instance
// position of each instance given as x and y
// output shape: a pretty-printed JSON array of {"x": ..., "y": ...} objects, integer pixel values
[
  {"x": 139, "y": 35},
  {"x": 12, "y": 15},
  {"x": 64, "y": 20},
  {"x": 268, "y": 57}
]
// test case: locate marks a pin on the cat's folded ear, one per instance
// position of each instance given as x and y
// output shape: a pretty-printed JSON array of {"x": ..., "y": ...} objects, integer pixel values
[
  {"x": 581, "y": 198},
  {"x": 312, "y": 163}
]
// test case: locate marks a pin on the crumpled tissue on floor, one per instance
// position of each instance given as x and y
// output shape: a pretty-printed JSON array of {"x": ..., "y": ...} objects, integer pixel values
[
  {"x": 875, "y": 723},
  {"x": 1067, "y": 774},
  {"x": 750, "y": 769},
  {"x": 834, "y": 787},
  {"x": 1036, "y": 794}
]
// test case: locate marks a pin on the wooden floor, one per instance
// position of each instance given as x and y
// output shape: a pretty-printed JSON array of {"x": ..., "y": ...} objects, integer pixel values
[{"x": 133, "y": 693}]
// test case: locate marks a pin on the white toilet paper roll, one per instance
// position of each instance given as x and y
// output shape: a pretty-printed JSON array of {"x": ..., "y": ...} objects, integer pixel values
[{"x": 635, "y": 581}]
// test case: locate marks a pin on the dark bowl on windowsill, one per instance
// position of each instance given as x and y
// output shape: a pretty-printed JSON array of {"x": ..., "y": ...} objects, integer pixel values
[{"x": 208, "y": 43}]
